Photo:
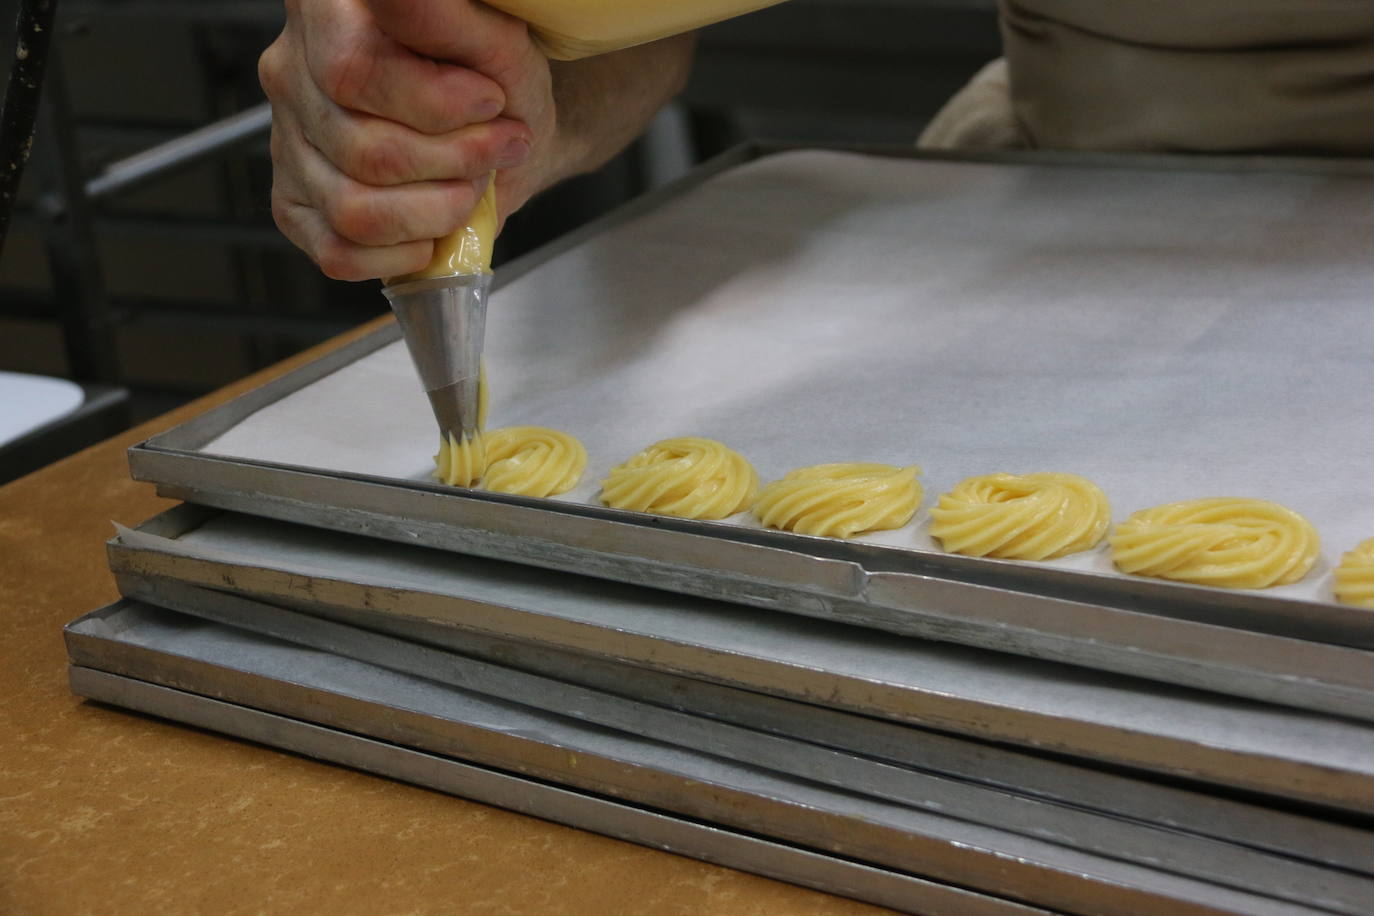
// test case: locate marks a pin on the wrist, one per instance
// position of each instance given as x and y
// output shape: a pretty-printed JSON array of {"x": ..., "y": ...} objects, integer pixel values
[
  {"x": 600, "y": 105},
  {"x": 603, "y": 103}
]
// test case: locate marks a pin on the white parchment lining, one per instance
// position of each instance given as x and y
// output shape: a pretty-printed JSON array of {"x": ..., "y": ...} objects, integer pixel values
[{"x": 1170, "y": 335}]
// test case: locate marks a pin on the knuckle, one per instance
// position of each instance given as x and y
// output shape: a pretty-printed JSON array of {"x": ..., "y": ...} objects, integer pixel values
[
  {"x": 286, "y": 214},
  {"x": 270, "y": 69},
  {"x": 281, "y": 212},
  {"x": 462, "y": 161},
  {"x": 378, "y": 161},
  {"x": 337, "y": 260},
  {"x": 416, "y": 256},
  {"x": 356, "y": 218},
  {"x": 461, "y": 199},
  {"x": 345, "y": 74},
  {"x": 459, "y": 96}
]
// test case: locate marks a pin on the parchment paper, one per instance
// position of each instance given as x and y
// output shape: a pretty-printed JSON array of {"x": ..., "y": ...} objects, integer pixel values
[{"x": 1170, "y": 335}]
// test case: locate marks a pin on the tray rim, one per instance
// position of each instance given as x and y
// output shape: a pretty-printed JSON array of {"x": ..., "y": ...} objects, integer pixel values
[
  {"x": 617, "y": 819},
  {"x": 1177, "y": 650},
  {"x": 1244, "y": 866},
  {"x": 150, "y": 573},
  {"x": 1132, "y": 795},
  {"x": 342, "y": 709}
]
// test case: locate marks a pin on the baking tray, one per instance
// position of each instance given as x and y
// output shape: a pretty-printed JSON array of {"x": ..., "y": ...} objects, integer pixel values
[
  {"x": 1300, "y": 673},
  {"x": 237, "y": 667},
  {"x": 175, "y": 559},
  {"x": 1171, "y": 328},
  {"x": 1031, "y": 795},
  {"x": 707, "y": 842}
]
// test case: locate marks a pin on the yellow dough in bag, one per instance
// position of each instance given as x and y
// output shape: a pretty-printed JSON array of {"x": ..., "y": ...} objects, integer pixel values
[
  {"x": 687, "y": 477},
  {"x": 1021, "y": 516},
  {"x": 572, "y": 29},
  {"x": 1355, "y": 576},
  {"x": 1224, "y": 541},
  {"x": 532, "y": 461},
  {"x": 840, "y": 500}
]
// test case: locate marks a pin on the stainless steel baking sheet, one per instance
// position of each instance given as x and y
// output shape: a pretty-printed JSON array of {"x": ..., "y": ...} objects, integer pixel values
[
  {"x": 1095, "y": 715},
  {"x": 1301, "y": 673},
  {"x": 1163, "y": 827},
  {"x": 1024, "y": 774},
  {"x": 1168, "y": 331},
  {"x": 232, "y": 665},
  {"x": 613, "y": 818}
]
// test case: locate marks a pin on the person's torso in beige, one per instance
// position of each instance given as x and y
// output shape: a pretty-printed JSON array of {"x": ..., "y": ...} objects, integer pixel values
[{"x": 1192, "y": 75}]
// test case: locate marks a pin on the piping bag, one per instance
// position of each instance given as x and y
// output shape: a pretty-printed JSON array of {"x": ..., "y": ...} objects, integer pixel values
[{"x": 442, "y": 309}]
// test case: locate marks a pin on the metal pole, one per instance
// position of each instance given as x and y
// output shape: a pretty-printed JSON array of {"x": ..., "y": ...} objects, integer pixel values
[
  {"x": 182, "y": 151},
  {"x": 33, "y": 31},
  {"x": 88, "y": 326}
]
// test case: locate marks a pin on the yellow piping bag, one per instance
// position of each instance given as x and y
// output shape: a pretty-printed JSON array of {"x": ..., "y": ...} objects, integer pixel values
[{"x": 442, "y": 311}]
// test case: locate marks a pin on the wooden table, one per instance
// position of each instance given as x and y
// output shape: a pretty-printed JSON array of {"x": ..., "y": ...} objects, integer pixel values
[{"x": 107, "y": 811}]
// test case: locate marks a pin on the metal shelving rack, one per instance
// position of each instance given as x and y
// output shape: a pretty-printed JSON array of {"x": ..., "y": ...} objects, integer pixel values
[{"x": 72, "y": 206}]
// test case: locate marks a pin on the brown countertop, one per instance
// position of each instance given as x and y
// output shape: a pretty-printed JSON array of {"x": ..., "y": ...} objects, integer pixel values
[{"x": 106, "y": 811}]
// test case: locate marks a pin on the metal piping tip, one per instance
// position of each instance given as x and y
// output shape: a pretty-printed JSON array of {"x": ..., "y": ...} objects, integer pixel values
[
  {"x": 457, "y": 407},
  {"x": 443, "y": 321}
]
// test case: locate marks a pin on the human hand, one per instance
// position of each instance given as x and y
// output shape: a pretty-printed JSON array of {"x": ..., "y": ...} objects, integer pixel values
[{"x": 388, "y": 117}]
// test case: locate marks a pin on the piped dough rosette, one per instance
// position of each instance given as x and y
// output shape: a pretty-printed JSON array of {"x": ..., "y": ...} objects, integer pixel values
[
  {"x": 1226, "y": 542},
  {"x": 840, "y": 500},
  {"x": 532, "y": 461},
  {"x": 1021, "y": 516},
  {"x": 687, "y": 477},
  {"x": 1355, "y": 576},
  {"x": 460, "y": 463}
]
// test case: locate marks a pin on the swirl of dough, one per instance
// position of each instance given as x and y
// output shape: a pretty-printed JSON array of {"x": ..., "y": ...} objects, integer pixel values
[
  {"x": 1355, "y": 576},
  {"x": 460, "y": 464},
  {"x": 532, "y": 461},
  {"x": 1224, "y": 541},
  {"x": 686, "y": 477},
  {"x": 1021, "y": 517},
  {"x": 840, "y": 500},
  {"x": 463, "y": 464}
]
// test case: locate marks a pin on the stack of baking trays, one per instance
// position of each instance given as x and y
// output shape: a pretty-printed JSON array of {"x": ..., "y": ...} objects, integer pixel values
[{"x": 871, "y": 716}]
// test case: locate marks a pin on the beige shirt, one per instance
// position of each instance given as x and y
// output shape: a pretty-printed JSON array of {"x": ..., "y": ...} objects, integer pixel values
[{"x": 1293, "y": 76}]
